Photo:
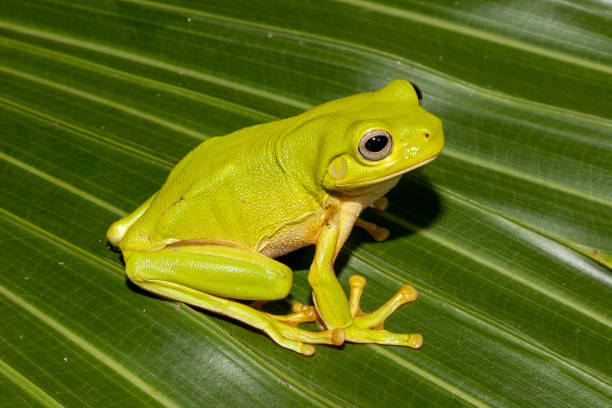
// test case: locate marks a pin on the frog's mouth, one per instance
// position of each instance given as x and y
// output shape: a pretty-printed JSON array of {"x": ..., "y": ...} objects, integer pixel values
[{"x": 368, "y": 182}]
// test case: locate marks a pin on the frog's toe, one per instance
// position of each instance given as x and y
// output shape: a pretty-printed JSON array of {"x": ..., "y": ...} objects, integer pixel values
[
  {"x": 303, "y": 314},
  {"x": 415, "y": 341},
  {"x": 376, "y": 319},
  {"x": 381, "y": 204},
  {"x": 333, "y": 336},
  {"x": 380, "y": 234},
  {"x": 299, "y": 340},
  {"x": 293, "y": 345},
  {"x": 377, "y": 233},
  {"x": 356, "y": 283},
  {"x": 307, "y": 350},
  {"x": 356, "y": 334}
]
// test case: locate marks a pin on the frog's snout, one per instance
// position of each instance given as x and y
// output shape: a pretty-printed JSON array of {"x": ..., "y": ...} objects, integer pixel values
[{"x": 432, "y": 138}]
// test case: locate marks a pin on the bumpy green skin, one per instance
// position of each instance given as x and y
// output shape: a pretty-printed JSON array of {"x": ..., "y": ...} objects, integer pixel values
[{"x": 267, "y": 190}]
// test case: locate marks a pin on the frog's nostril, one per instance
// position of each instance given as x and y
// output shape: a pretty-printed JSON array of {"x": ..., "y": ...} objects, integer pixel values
[{"x": 426, "y": 135}]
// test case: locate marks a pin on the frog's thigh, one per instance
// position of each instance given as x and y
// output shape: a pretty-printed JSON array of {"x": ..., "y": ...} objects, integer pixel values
[{"x": 215, "y": 269}]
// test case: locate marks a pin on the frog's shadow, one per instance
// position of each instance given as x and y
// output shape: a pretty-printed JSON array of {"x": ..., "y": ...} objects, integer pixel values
[{"x": 414, "y": 201}]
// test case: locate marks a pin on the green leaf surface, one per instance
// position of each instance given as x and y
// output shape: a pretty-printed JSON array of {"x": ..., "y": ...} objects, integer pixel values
[{"x": 507, "y": 236}]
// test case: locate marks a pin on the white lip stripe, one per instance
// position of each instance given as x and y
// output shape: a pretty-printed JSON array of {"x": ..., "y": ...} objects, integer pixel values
[{"x": 387, "y": 177}]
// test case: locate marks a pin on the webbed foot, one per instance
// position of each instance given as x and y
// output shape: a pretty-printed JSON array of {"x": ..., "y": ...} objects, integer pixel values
[{"x": 368, "y": 327}]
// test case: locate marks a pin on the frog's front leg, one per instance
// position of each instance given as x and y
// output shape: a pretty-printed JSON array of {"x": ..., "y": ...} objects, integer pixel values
[
  {"x": 336, "y": 311},
  {"x": 206, "y": 275},
  {"x": 377, "y": 233}
]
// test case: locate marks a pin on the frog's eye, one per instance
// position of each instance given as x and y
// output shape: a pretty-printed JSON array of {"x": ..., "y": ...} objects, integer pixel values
[
  {"x": 375, "y": 145},
  {"x": 418, "y": 92}
]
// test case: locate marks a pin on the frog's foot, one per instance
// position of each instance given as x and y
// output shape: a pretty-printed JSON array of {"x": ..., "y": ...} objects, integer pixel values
[
  {"x": 285, "y": 334},
  {"x": 368, "y": 327},
  {"x": 376, "y": 232},
  {"x": 381, "y": 204},
  {"x": 303, "y": 314}
]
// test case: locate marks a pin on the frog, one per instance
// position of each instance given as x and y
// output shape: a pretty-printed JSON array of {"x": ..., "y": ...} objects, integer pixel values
[{"x": 210, "y": 236}]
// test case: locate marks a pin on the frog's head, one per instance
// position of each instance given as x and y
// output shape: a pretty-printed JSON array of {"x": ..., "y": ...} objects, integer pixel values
[
  {"x": 387, "y": 133},
  {"x": 350, "y": 145}
]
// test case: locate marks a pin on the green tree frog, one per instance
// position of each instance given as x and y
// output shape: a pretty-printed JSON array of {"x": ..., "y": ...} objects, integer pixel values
[{"x": 234, "y": 203}]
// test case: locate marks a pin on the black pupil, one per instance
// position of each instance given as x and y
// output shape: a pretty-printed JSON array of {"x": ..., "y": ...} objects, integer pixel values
[{"x": 376, "y": 143}]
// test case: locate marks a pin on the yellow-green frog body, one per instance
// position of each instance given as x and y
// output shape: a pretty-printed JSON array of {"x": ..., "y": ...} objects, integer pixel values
[{"x": 235, "y": 202}]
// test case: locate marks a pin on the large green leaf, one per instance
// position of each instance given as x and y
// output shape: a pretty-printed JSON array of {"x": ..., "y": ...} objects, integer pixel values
[{"x": 507, "y": 235}]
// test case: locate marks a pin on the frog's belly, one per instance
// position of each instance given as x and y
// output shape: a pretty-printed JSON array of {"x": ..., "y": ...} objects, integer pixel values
[{"x": 292, "y": 236}]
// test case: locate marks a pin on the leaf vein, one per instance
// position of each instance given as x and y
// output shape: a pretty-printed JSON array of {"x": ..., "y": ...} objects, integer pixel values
[{"x": 22, "y": 382}]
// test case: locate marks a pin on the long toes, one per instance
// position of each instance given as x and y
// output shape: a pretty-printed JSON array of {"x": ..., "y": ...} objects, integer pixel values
[
  {"x": 306, "y": 315},
  {"x": 308, "y": 350},
  {"x": 299, "y": 307},
  {"x": 377, "y": 318},
  {"x": 381, "y": 204},
  {"x": 359, "y": 335},
  {"x": 408, "y": 293},
  {"x": 415, "y": 341},
  {"x": 380, "y": 233},
  {"x": 293, "y": 345},
  {"x": 333, "y": 336},
  {"x": 356, "y": 283},
  {"x": 376, "y": 232},
  {"x": 309, "y": 314}
]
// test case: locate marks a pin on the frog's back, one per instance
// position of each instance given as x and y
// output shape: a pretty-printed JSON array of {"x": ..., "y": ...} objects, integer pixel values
[{"x": 228, "y": 189}]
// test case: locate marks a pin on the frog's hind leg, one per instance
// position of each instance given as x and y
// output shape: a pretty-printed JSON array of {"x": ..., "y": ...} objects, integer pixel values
[{"x": 206, "y": 275}]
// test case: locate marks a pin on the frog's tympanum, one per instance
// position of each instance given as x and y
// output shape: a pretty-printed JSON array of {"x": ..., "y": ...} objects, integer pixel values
[{"x": 234, "y": 203}]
